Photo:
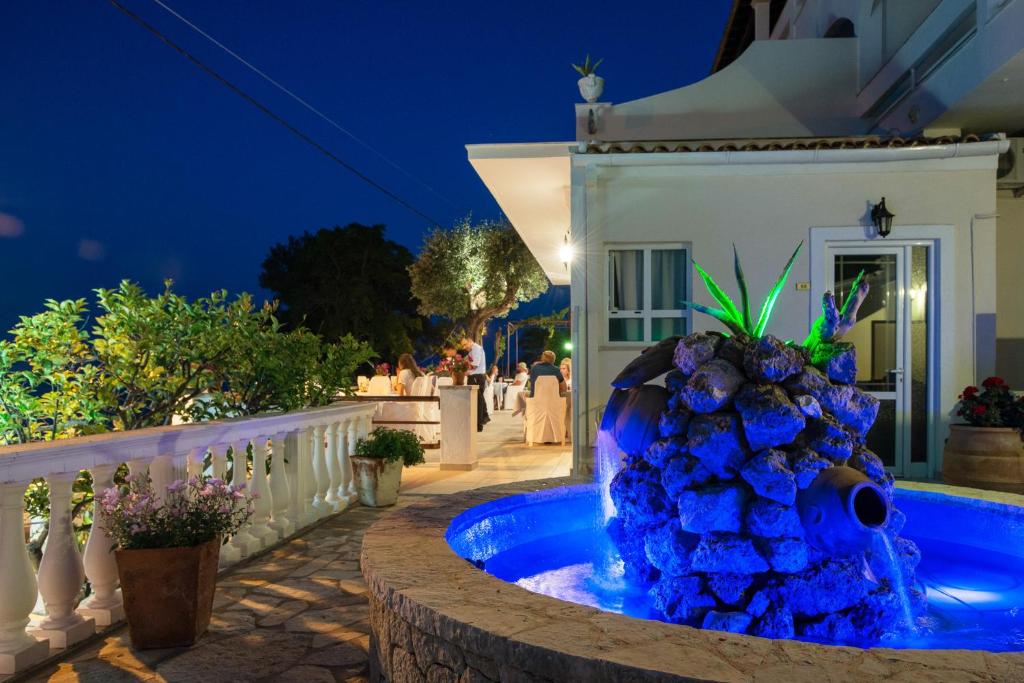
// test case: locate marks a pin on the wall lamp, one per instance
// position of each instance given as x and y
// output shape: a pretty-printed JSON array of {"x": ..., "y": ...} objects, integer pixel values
[
  {"x": 565, "y": 252},
  {"x": 882, "y": 218}
]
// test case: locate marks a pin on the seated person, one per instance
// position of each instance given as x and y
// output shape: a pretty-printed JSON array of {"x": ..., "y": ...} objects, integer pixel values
[
  {"x": 566, "y": 367},
  {"x": 408, "y": 371},
  {"x": 546, "y": 367},
  {"x": 522, "y": 375}
]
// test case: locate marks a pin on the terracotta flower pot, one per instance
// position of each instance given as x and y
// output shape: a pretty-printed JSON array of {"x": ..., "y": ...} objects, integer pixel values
[
  {"x": 985, "y": 458},
  {"x": 168, "y": 593},
  {"x": 377, "y": 480},
  {"x": 458, "y": 378}
]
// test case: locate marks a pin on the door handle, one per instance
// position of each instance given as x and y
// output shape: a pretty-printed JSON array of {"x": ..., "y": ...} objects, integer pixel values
[{"x": 898, "y": 372}]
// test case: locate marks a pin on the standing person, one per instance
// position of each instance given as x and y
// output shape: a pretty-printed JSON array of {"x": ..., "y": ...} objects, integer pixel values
[
  {"x": 407, "y": 372},
  {"x": 494, "y": 379},
  {"x": 477, "y": 375}
]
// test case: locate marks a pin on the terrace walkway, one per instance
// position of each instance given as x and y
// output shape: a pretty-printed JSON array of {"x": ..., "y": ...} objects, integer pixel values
[{"x": 299, "y": 612}]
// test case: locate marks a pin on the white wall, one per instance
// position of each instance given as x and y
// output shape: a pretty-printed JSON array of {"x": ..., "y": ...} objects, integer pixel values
[
  {"x": 766, "y": 210},
  {"x": 1009, "y": 289}
]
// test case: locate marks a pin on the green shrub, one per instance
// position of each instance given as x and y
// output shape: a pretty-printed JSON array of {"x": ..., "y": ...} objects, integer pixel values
[{"x": 391, "y": 445}]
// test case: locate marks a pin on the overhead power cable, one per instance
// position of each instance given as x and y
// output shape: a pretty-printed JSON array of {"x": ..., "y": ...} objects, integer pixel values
[
  {"x": 256, "y": 70},
  {"x": 270, "y": 113}
]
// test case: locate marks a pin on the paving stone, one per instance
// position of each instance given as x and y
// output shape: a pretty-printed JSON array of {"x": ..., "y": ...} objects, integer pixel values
[
  {"x": 282, "y": 613},
  {"x": 306, "y": 674},
  {"x": 345, "y": 655},
  {"x": 249, "y": 657},
  {"x": 326, "y": 620}
]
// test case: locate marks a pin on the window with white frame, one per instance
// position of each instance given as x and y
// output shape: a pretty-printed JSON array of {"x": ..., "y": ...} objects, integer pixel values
[{"x": 647, "y": 285}]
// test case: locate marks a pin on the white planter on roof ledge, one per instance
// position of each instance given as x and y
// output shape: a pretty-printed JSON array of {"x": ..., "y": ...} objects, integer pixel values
[{"x": 591, "y": 87}]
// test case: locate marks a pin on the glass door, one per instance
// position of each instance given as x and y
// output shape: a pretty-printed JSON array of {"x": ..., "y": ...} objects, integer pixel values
[{"x": 892, "y": 338}]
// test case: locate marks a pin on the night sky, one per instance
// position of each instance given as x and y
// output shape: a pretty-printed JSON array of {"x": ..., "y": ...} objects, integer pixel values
[{"x": 120, "y": 159}]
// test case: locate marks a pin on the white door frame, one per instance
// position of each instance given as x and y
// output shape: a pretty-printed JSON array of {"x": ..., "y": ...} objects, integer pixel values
[{"x": 941, "y": 306}]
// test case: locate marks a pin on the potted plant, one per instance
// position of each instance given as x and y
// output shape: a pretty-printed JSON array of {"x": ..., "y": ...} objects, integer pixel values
[
  {"x": 988, "y": 451},
  {"x": 167, "y": 550},
  {"x": 378, "y": 462},
  {"x": 455, "y": 366},
  {"x": 591, "y": 85}
]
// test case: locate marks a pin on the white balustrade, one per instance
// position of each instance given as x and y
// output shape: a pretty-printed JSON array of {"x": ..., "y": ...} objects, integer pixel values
[
  {"x": 104, "y": 605},
  {"x": 243, "y": 543},
  {"x": 264, "y": 504},
  {"x": 320, "y": 473},
  {"x": 279, "y": 489},
  {"x": 352, "y": 435},
  {"x": 310, "y": 476},
  {"x": 333, "y": 467},
  {"x": 61, "y": 572}
]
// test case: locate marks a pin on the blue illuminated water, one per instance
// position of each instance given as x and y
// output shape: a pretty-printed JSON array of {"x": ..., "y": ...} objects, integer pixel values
[{"x": 972, "y": 566}]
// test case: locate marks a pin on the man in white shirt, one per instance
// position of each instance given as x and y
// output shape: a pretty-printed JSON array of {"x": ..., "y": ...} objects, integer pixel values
[{"x": 477, "y": 375}]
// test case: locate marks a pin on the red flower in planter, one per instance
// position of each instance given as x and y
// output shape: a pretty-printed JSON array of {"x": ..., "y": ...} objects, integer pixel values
[
  {"x": 969, "y": 392},
  {"x": 994, "y": 382},
  {"x": 980, "y": 410}
]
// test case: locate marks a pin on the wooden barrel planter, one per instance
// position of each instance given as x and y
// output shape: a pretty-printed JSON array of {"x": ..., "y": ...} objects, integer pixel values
[{"x": 984, "y": 458}]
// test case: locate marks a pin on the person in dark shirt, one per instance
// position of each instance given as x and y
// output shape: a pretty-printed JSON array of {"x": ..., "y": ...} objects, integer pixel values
[{"x": 547, "y": 367}]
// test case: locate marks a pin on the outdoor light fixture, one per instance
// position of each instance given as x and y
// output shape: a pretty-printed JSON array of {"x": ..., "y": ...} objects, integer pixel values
[
  {"x": 567, "y": 346},
  {"x": 565, "y": 252},
  {"x": 882, "y": 218}
]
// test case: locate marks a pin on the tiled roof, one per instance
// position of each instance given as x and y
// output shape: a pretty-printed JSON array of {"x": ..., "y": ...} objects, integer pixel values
[{"x": 771, "y": 145}]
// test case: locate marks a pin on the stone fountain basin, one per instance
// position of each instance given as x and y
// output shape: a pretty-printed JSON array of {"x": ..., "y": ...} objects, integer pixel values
[{"x": 437, "y": 617}]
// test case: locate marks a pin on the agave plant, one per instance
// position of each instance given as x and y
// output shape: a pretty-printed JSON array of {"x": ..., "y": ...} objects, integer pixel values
[
  {"x": 586, "y": 68},
  {"x": 739, "y": 320}
]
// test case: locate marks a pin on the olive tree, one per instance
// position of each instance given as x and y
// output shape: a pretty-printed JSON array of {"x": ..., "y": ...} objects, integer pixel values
[{"x": 473, "y": 273}]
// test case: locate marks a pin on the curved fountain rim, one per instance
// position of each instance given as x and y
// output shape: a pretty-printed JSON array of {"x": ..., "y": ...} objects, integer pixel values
[{"x": 412, "y": 572}]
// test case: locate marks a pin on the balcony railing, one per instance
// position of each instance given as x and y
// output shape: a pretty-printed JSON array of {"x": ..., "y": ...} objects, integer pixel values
[{"x": 310, "y": 476}]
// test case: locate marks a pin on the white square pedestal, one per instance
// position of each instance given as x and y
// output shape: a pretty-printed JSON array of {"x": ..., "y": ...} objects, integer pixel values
[
  {"x": 458, "y": 427},
  {"x": 64, "y": 638},
  {"x": 21, "y": 659}
]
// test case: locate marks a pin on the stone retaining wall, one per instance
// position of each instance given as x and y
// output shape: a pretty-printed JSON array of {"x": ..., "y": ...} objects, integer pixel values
[{"x": 437, "y": 618}]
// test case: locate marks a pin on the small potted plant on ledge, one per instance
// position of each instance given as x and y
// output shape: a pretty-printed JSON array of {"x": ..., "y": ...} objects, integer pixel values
[
  {"x": 455, "y": 366},
  {"x": 167, "y": 549},
  {"x": 378, "y": 462},
  {"x": 988, "y": 451},
  {"x": 591, "y": 85}
]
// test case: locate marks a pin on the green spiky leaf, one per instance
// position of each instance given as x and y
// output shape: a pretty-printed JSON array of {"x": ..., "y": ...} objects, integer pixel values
[
  {"x": 721, "y": 315},
  {"x": 728, "y": 307},
  {"x": 850, "y": 295},
  {"x": 769, "y": 302},
  {"x": 741, "y": 282}
]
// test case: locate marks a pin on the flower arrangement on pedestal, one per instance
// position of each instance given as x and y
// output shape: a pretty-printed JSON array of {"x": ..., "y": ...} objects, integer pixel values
[
  {"x": 456, "y": 366},
  {"x": 994, "y": 405},
  {"x": 167, "y": 550},
  {"x": 988, "y": 451}
]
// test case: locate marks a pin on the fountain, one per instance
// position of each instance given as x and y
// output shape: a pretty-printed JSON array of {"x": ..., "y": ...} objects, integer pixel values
[
  {"x": 735, "y": 504},
  {"x": 749, "y": 501}
]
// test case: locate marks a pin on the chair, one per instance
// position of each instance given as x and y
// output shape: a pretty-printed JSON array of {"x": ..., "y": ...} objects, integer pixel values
[
  {"x": 544, "y": 421},
  {"x": 422, "y": 386},
  {"x": 363, "y": 383},
  {"x": 512, "y": 394},
  {"x": 380, "y": 385}
]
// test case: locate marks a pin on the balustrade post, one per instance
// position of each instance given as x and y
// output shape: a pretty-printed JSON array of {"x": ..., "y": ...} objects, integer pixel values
[
  {"x": 264, "y": 505},
  {"x": 344, "y": 465},
  {"x": 61, "y": 572},
  {"x": 297, "y": 459},
  {"x": 243, "y": 541},
  {"x": 18, "y": 649},
  {"x": 105, "y": 605},
  {"x": 279, "y": 487},
  {"x": 306, "y": 443},
  {"x": 352, "y": 436},
  {"x": 219, "y": 462},
  {"x": 333, "y": 468},
  {"x": 194, "y": 463},
  {"x": 161, "y": 474},
  {"x": 320, "y": 474}
]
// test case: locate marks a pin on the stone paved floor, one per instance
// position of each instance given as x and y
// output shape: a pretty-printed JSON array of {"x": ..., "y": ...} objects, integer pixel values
[{"x": 300, "y": 613}]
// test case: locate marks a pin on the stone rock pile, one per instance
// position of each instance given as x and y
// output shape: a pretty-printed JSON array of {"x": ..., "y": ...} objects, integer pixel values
[{"x": 707, "y": 513}]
